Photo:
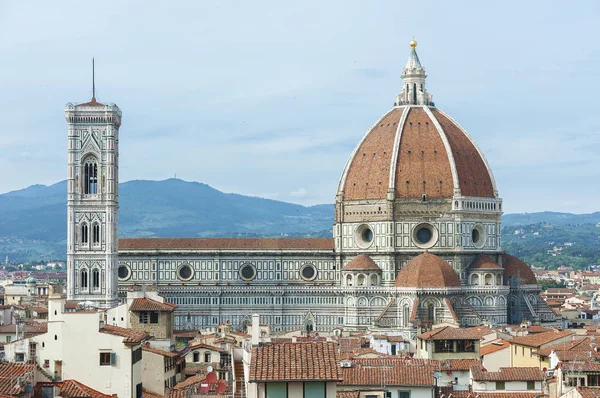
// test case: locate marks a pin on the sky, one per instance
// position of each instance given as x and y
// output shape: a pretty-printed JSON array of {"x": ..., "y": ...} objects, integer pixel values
[{"x": 269, "y": 98}]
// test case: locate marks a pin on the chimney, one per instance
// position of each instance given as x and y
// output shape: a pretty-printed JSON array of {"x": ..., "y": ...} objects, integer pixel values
[{"x": 255, "y": 329}]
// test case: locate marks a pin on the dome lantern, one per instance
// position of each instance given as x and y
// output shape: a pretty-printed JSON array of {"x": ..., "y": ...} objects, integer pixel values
[{"x": 414, "y": 91}]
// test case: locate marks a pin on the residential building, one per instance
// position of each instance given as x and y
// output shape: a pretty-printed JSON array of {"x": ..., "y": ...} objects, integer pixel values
[
  {"x": 495, "y": 355},
  {"x": 522, "y": 348},
  {"x": 447, "y": 343},
  {"x": 507, "y": 380},
  {"x": 294, "y": 370}
]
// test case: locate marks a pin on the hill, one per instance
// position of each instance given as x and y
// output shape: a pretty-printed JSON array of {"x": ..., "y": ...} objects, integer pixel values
[{"x": 33, "y": 221}]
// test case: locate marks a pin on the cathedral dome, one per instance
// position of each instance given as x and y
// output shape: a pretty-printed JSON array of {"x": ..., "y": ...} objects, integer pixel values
[
  {"x": 362, "y": 262},
  {"x": 425, "y": 271},
  {"x": 514, "y": 267},
  {"x": 414, "y": 150}
]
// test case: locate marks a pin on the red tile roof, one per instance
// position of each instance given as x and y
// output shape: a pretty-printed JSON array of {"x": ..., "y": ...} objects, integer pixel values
[
  {"x": 509, "y": 394},
  {"x": 225, "y": 243},
  {"x": 539, "y": 339},
  {"x": 580, "y": 366},
  {"x": 295, "y": 362},
  {"x": 9, "y": 373},
  {"x": 146, "y": 304},
  {"x": 129, "y": 336},
  {"x": 206, "y": 346},
  {"x": 358, "y": 375},
  {"x": 513, "y": 267},
  {"x": 587, "y": 392},
  {"x": 170, "y": 354},
  {"x": 75, "y": 389},
  {"x": 427, "y": 270},
  {"x": 480, "y": 331},
  {"x": 447, "y": 333},
  {"x": 484, "y": 262},
  {"x": 495, "y": 346},
  {"x": 189, "y": 382},
  {"x": 507, "y": 374},
  {"x": 151, "y": 394},
  {"x": 92, "y": 102},
  {"x": 347, "y": 394},
  {"x": 362, "y": 262}
]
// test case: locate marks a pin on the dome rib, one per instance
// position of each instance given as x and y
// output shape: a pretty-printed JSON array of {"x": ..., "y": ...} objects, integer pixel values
[
  {"x": 342, "y": 184},
  {"x": 397, "y": 140},
  {"x": 440, "y": 130},
  {"x": 466, "y": 133},
  {"x": 427, "y": 271}
]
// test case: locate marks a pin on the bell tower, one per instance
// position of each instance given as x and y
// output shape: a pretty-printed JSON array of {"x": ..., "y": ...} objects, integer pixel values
[{"x": 93, "y": 202}]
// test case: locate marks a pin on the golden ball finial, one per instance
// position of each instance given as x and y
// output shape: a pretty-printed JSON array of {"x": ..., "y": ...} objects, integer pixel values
[{"x": 413, "y": 43}]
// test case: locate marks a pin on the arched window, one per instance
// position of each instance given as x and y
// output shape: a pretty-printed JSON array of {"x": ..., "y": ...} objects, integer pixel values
[
  {"x": 90, "y": 176},
  {"x": 96, "y": 278},
  {"x": 96, "y": 233},
  {"x": 488, "y": 279},
  {"x": 374, "y": 280},
  {"x": 430, "y": 312},
  {"x": 349, "y": 280},
  {"x": 84, "y": 279},
  {"x": 84, "y": 233},
  {"x": 405, "y": 315},
  {"x": 498, "y": 279},
  {"x": 475, "y": 279},
  {"x": 360, "y": 280},
  {"x": 414, "y": 93}
]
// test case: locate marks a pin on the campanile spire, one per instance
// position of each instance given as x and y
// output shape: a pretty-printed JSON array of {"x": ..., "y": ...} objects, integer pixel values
[{"x": 414, "y": 91}]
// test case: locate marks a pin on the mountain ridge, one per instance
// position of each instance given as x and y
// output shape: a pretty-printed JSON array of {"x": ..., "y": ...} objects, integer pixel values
[{"x": 33, "y": 219}]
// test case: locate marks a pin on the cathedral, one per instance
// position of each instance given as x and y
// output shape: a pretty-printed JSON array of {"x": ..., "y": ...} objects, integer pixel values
[{"x": 416, "y": 237}]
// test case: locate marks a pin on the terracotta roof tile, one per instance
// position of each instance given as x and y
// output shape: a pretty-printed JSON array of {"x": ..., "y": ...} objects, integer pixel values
[
  {"x": 427, "y": 270},
  {"x": 580, "y": 366},
  {"x": 358, "y": 375},
  {"x": 129, "y": 335},
  {"x": 151, "y": 394},
  {"x": 509, "y": 394},
  {"x": 483, "y": 262},
  {"x": 295, "y": 362},
  {"x": 447, "y": 333},
  {"x": 539, "y": 339},
  {"x": 225, "y": 243},
  {"x": 422, "y": 157},
  {"x": 507, "y": 374},
  {"x": 513, "y": 267},
  {"x": 369, "y": 172},
  {"x": 9, "y": 373},
  {"x": 189, "y": 382},
  {"x": 495, "y": 346},
  {"x": 93, "y": 102},
  {"x": 362, "y": 262},
  {"x": 480, "y": 331},
  {"x": 75, "y": 389},
  {"x": 169, "y": 354},
  {"x": 146, "y": 304},
  {"x": 347, "y": 394},
  {"x": 587, "y": 392}
]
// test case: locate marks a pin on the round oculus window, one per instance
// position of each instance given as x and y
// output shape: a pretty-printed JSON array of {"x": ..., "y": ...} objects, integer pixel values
[
  {"x": 185, "y": 272},
  {"x": 425, "y": 235},
  {"x": 363, "y": 236},
  {"x": 308, "y": 272},
  {"x": 478, "y": 236},
  {"x": 123, "y": 272},
  {"x": 247, "y": 272}
]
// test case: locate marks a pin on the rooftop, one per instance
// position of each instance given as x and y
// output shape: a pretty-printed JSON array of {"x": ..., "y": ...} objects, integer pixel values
[
  {"x": 129, "y": 335},
  {"x": 146, "y": 304},
  {"x": 539, "y": 339},
  {"x": 507, "y": 374},
  {"x": 448, "y": 333},
  {"x": 295, "y": 362}
]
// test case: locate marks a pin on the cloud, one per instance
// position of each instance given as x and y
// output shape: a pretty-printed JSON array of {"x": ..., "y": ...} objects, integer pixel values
[{"x": 298, "y": 193}]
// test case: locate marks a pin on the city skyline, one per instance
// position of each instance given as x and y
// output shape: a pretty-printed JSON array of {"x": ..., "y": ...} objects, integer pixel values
[{"x": 267, "y": 105}]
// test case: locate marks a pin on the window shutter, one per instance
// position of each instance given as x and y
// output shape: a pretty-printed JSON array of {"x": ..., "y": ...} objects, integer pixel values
[{"x": 113, "y": 358}]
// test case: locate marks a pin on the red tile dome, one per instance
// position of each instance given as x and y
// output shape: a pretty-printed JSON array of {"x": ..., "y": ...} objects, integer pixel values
[
  {"x": 362, "y": 262},
  {"x": 425, "y": 271},
  {"x": 516, "y": 267},
  {"x": 414, "y": 150}
]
